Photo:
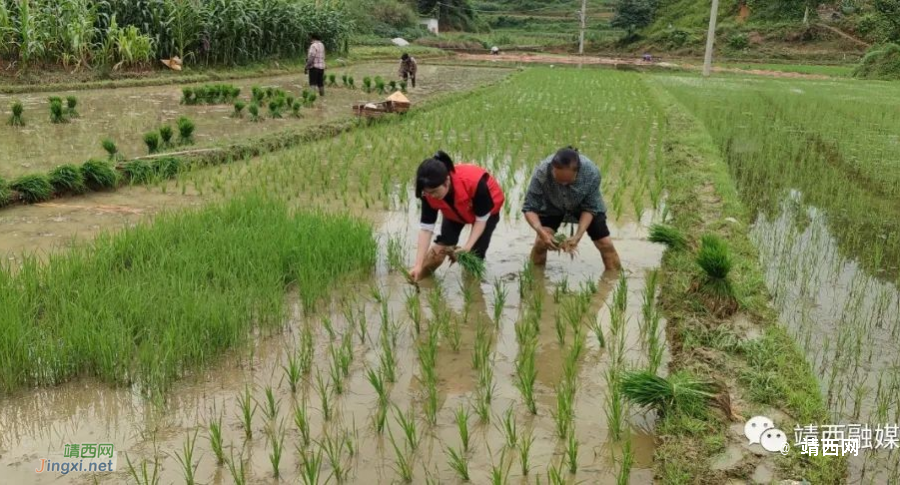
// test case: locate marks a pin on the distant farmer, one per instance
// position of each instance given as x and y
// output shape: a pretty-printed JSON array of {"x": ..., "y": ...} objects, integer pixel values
[
  {"x": 463, "y": 194},
  {"x": 315, "y": 64},
  {"x": 408, "y": 68},
  {"x": 495, "y": 50},
  {"x": 565, "y": 188}
]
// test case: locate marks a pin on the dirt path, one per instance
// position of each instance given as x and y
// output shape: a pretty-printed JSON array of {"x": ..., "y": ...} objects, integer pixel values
[{"x": 616, "y": 61}]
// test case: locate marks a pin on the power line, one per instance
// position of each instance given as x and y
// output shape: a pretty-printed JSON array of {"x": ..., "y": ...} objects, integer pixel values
[{"x": 500, "y": 12}]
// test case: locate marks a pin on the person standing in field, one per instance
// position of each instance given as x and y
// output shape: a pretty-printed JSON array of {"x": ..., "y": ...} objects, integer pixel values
[
  {"x": 565, "y": 187},
  {"x": 408, "y": 68},
  {"x": 315, "y": 64},
  {"x": 463, "y": 194}
]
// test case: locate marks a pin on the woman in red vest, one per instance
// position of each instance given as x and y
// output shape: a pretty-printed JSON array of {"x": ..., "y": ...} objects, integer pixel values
[{"x": 464, "y": 194}]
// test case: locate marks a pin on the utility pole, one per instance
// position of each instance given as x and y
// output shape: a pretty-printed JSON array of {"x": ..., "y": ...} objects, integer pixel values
[
  {"x": 583, "y": 22},
  {"x": 710, "y": 39}
]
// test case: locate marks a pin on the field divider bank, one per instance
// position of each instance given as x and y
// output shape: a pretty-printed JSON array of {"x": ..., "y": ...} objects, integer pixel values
[
  {"x": 150, "y": 169},
  {"x": 749, "y": 352}
]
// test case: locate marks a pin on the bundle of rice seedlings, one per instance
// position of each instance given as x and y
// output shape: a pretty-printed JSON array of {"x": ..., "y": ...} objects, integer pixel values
[
  {"x": 681, "y": 392},
  {"x": 367, "y": 84},
  {"x": 138, "y": 171},
  {"x": 344, "y": 80},
  {"x": 111, "y": 149},
  {"x": 254, "y": 112},
  {"x": 352, "y": 82},
  {"x": 16, "y": 118},
  {"x": 238, "y": 109},
  {"x": 332, "y": 80},
  {"x": 402, "y": 86},
  {"x": 185, "y": 130},
  {"x": 379, "y": 84},
  {"x": 668, "y": 235},
  {"x": 165, "y": 134},
  {"x": 99, "y": 175},
  {"x": 187, "y": 96},
  {"x": 56, "y": 112},
  {"x": 715, "y": 260},
  {"x": 71, "y": 104},
  {"x": 151, "y": 139},
  {"x": 312, "y": 99},
  {"x": 33, "y": 188},
  {"x": 472, "y": 264},
  {"x": 67, "y": 179},
  {"x": 274, "y": 109},
  {"x": 392, "y": 85}
]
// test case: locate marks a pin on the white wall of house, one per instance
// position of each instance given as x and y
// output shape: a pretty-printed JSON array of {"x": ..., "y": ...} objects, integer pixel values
[{"x": 430, "y": 24}]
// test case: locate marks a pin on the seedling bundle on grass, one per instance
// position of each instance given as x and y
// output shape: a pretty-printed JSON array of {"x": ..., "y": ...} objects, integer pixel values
[
  {"x": 67, "y": 179},
  {"x": 17, "y": 118},
  {"x": 210, "y": 94},
  {"x": 33, "y": 188}
]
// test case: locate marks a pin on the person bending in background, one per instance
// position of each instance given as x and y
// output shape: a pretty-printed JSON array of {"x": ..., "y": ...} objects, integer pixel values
[
  {"x": 408, "y": 68},
  {"x": 463, "y": 194},
  {"x": 315, "y": 64},
  {"x": 565, "y": 188}
]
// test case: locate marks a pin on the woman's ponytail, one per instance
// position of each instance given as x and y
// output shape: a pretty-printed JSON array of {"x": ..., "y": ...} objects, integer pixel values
[
  {"x": 442, "y": 157},
  {"x": 433, "y": 172}
]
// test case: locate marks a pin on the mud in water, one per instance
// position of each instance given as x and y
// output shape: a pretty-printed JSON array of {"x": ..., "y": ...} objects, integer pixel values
[
  {"x": 39, "y": 423},
  {"x": 125, "y": 114}
]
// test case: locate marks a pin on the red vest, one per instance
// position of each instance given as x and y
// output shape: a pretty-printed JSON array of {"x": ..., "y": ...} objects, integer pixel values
[{"x": 464, "y": 181}]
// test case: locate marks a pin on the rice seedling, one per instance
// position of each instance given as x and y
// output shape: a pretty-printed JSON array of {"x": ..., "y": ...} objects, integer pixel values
[
  {"x": 615, "y": 405},
  {"x": 187, "y": 95},
  {"x": 431, "y": 400},
  {"x": 407, "y": 423},
  {"x": 526, "y": 375},
  {"x": 481, "y": 352},
  {"x": 292, "y": 371},
  {"x": 334, "y": 452},
  {"x": 311, "y": 468},
  {"x": 166, "y": 167},
  {"x": 459, "y": 463},
  {"x": 367, "y": 84},
  {"x": 332, "y": 80},
  {"x": 524, "y": 447},
  {"x": 453, "y": 333},
  {"x": 679, "y": 392},
  {"x": 237, "y": 468},
  {"x": 33, "y": 188},
  {"x": 402, "y": 462},
  {"x": 215, "y": 439},
  {"x": 324, "y": 389},
  {"x": 57, "y": 114},
  {"x": 351, "y": 82},
  {"x": 329, "y": 329},
  {"x": 500, "y": 471},
  {"x": 402, "y": 86},
  {"x": 17, "y": 118},
  {"x": 500, "y": 295},
  {"x": 668, "y": 235},
  {"x": 295, "y": 110},
  {"x": 185, "y": 130},
  {"x": 151, "y": 139},
  {"x": 414, "y": 310},
  {"x": 345, "y": 354},
  {"x": 462, "y": 425},
  {"x": 306, "y": 351},
  {"x": 99, "y": 175},
  {"x": 392, "y": 86},
  {"x": 335, "y": 372},
  {"x": 248, "y": 408},
  {"x": 271, "y": 405},
  {"x": 564, "y": 416},
  {"x": 301, "y": 421},
  {"x": 624, "y": 473},
  {"x": 560, "y": 328},
  {"x": 276, "y": 439},
  {"x": 345, "y": 80},
  {"x": 144, "y": 475},
  {"x": 379, "y": 85},
  {"x": 186, "y": 458},
  {"x": 472, "y": 264},
  {"x": 67, "y": 179},
  {"x": 571, "y": 452},
  {"x": 507, "y": 427},
  {"x": 555, "y": 474},
  {"x": 71, "y": 106},
  {"x": 715, "y": 260}
]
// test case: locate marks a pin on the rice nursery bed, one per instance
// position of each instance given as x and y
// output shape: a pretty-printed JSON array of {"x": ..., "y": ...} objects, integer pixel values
[
  {"x": 495, "y": 380},
  {"x": 817, "y": 162}
]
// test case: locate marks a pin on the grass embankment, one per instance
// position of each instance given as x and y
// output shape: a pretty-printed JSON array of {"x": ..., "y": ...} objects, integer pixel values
[
  {"x": 64, "y": 80},
  {"x": 763, "y": 373},
  {"x": 150, "y": 303}
]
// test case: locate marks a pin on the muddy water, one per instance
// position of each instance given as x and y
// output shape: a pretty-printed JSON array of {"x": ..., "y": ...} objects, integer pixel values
[
  {"x": 39, "y": 423},
  {"x": 845, "y": 319},
  {"x": 125, "y": 114}
]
